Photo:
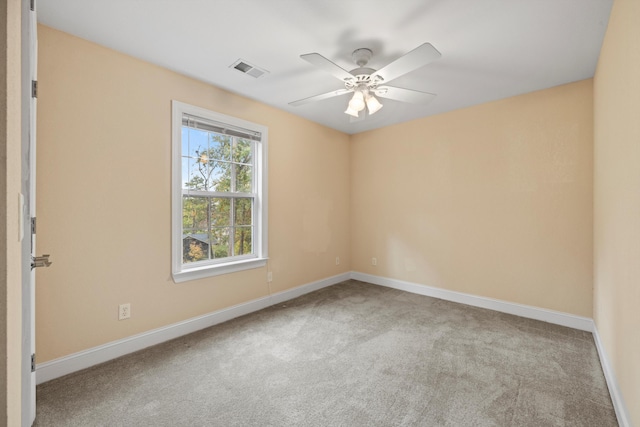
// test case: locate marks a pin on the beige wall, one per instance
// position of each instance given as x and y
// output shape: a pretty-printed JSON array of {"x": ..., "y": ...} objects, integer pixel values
[
  {"x": 617, "y": 199},
  {"x": 10, "y": 259},
  {"x": 104, "y": 198},
  {"x": 493, "y": 200}
]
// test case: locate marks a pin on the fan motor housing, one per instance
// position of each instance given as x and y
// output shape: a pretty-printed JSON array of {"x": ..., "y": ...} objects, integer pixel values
[
  {"x": 361, "y": 56},
  {"x": 362, "y": 71},
  {"x": 362, "y": 76}
]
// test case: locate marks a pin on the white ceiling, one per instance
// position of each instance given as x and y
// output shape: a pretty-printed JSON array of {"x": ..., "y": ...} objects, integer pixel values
[{"x": 491, "y": 49}]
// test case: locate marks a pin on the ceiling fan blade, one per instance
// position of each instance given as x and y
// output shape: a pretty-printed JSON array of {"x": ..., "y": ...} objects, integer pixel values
[
  {"x": 328, "y": 66},
  {"x": 418, "y": 57},
  {"x": 404, "y": 95},
  {"x": 320, "y": 97}
]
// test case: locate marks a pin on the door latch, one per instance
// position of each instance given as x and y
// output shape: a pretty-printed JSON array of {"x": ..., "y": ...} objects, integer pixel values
[{"x": 40, "y": 261}]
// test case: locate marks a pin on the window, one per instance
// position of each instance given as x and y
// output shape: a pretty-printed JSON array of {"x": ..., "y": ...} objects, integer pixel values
[{"x": 219, "y": 199}]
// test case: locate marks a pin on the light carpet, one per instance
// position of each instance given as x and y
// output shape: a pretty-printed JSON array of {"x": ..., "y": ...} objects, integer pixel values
[{"x": 353, "y": 354}]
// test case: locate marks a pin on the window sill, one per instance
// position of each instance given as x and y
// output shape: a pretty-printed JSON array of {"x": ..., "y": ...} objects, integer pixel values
[{"x": 218, "y": 269}]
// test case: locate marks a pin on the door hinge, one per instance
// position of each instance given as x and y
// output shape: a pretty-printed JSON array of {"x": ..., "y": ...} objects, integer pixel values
[
  {"x": 33, "y": 5},
  {"x": 34, "y": 88},
  {"x": 33, "y": 362},
  {"x": 33, "y": 225}
]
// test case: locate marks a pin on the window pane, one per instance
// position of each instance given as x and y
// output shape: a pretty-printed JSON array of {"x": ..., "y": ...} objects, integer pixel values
[
  {"x": 194, "y": 213},
  {"x": 219, "y": 146},
  {"x": 220, "y": 176},
  {"x": 220, "y": 212},
  {"x": 196, "y": 142},
  {"x": 243, "y": 210},
  {"x": 220, "y": 242},
  {"x": 185, "y": 141},
  {"x": 244, "y": 178},
  {"x": 185, "y": 172},
  {"x": 195, "y": 246},
  {"x": 242, "y": 150},
  {"x": 242, "y": 243},
  {"x": 196, "y": 178}
]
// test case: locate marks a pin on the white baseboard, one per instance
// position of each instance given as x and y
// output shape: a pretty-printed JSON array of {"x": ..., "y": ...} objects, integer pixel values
[
  {"x": 84, "y": 359},
  {"x": 87, "y": 358},
  {"x": 289, "y": 294},
  {"x": 624, "y": 420},
  {"x": 549, "y": 316}
]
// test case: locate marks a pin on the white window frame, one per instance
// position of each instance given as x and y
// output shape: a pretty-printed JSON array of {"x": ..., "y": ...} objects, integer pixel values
[{"x": 184, "y": 272}]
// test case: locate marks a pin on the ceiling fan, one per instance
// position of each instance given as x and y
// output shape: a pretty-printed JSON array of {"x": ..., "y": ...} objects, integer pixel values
[{"x": 367, "y": 83}]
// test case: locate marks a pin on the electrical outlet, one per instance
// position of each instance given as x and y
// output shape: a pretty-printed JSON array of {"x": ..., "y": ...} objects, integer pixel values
[
  {"x": 337, "y": 260},
  {"x": 269, "y": 276},
  {"x": 124, "y": 311},
  {"x": 374, "y": 261}
]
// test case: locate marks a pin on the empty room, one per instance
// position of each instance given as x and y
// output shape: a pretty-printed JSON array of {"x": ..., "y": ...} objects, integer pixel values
[{"x": 320, "y": 213}]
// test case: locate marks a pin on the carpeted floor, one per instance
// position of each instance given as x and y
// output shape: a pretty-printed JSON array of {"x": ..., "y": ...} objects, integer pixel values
[{"x": 352, "y": 354}]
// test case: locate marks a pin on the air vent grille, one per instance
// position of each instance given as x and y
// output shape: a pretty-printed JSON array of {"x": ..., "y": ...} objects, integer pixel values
[{"x": 246, "y": 68}]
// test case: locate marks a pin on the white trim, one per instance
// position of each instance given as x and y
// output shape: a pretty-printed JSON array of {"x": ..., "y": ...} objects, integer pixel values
[
  {"x": 84, "y": 359},
  {"x": 183, "y": 273},
  {"x": 207, "y": 271},
  {"x": 550, "y": 316},
  {"x": 290, "y": 294},
  {"x": 66, "y": 365},
  {"x": 624, "y": 420}
]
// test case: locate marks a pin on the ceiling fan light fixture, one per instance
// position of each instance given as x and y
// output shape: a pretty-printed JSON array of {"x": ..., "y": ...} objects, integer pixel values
[
  {"x": 350, "y": 111},
  {"x": 373, "y": 105},
  {"x": 357, "y": 102}
]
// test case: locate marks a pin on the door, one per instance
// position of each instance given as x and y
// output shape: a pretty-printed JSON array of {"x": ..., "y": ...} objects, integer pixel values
[{"x": 28, "y": 206}]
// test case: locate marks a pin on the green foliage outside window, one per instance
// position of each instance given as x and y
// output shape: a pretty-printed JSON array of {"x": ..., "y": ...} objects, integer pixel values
[{"x": 219, "y": 225}]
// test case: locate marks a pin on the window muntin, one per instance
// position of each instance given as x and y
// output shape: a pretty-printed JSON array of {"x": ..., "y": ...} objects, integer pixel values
[{"x": 219, "y": 193}]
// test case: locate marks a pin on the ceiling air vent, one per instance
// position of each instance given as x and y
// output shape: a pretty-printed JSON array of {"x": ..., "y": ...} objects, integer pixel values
[{"x": 246, "y": 68}]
